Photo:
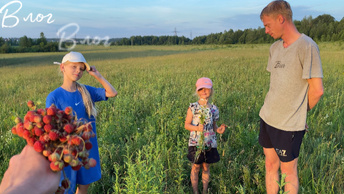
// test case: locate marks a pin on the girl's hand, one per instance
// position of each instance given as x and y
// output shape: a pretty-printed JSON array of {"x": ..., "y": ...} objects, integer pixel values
[
  {"x": 94, "y": 72},
  {"x": 200, "y": 127},
  {"x": 221, "y": 129},
  {"x": 110, "y": 91}
]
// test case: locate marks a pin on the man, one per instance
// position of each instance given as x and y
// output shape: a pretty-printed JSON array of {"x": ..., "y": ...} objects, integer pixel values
[
  {"x": 295, "y": 88},
  {"x": 29, "y": 172}
]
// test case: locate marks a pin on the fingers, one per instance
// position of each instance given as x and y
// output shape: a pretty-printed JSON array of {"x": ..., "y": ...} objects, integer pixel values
[
  {"x": 222, "y": 128},
  {"x": 92, "y": 69},
  {"x": 224, "y": 125},
  {"x": 306, "y": 127},
  {"x": 200, "y": 127}
]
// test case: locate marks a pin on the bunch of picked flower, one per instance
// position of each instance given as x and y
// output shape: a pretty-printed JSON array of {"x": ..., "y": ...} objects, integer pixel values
[{"x": 203, "y": 116}]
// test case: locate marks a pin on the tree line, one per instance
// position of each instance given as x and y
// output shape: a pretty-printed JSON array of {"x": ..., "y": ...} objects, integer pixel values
[
  {"x": 25, "y": 44},
  {"x": 323, "y": 28}
]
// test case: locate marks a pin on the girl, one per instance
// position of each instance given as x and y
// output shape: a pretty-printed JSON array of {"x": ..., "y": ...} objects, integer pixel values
[
  {"x": 81, "y": 98},
  {"x": 201, "y": 122}
]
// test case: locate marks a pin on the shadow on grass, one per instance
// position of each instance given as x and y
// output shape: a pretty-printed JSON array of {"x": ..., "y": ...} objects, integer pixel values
[{"x": 38, "y": 59}]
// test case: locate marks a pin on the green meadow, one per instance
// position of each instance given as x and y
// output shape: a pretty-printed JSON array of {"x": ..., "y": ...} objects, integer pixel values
[{"x": 142, "y": 139}]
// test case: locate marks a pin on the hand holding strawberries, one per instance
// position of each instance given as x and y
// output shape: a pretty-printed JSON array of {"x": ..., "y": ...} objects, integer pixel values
[{"x": 29, "y": 171}]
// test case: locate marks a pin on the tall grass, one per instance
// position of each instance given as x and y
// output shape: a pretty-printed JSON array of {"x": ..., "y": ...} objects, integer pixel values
[{"x": 141, "y": 135}]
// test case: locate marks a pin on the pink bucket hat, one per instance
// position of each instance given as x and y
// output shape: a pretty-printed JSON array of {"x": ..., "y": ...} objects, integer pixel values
[{"x": 204, "y": 82}]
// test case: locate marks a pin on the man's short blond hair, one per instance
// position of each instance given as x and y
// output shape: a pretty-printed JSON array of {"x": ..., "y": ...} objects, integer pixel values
[{"x": 278, "y": 7}]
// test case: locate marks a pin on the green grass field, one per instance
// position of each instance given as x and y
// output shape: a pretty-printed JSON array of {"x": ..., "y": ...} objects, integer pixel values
[{"x": 141, "y": 135}]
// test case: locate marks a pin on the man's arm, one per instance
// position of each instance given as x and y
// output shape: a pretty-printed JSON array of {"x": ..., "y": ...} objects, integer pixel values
[{"x": 315, "y": 91}]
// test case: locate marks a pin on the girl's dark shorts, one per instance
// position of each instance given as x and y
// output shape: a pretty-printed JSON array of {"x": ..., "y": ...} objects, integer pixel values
[
  {"x": 206, "y": 156},
  {"x": 286, "y": 143}
]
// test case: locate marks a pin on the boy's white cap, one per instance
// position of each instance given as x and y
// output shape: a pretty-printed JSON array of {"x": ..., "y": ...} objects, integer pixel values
[{"x": 75, "y": 57}]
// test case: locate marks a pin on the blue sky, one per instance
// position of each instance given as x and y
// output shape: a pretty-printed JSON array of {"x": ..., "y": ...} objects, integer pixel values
[{"x": 125, "y": 18}]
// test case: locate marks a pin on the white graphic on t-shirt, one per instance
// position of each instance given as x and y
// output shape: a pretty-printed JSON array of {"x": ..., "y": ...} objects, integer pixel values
[{"x": 76, "y": 104}]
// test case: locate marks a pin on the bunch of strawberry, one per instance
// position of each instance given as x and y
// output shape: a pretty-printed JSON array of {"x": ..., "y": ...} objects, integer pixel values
[{"x": 59, "y": 136}]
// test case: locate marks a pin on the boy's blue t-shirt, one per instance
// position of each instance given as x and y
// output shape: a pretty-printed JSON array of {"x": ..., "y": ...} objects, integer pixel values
[{"x": 62, "y": 99}]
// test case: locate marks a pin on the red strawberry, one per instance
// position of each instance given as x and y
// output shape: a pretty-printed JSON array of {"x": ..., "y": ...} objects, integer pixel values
[
  {"x": 44, "y": 137},
  {"x": 19, "y": 124},
  {"x": 65, "y": 183},
  {"x": 38, "y": 146},
  {"x": 77, "y": 167},
  {"x": 30, "y": 141},
  {"x": 69, "y": 128},
  {"x": 88, "y": 145},
  {"x": 86, "y": 135},
  {"x": 68, "y": 110},
  {"x": 30, "y": 104},
  {"x": 67, "y": 150},
  {"x": 46, "y": 153},
  {"x": 14, "y": 130},
  {"x": 41, "y": 112},
  {"x": 40, "y": 125},
  {"x": 47, "y": 119},
  {"x": 37, "y": 118},
  {"x": 38, "y": 131},
  {"x": 92, "y": 162},
  {"x": 48, "y": 128},
  {"x": 53, "y": 135},
  {"x": 28, "y": 125},
  {"x": 51, "y": 111},
  {"x": 76, "y": 140},
  {"x": 63, "y": 139},
  {"x": 56, "y": 166},
  {"x": 29, "y": 116},
  {"x": 20, "y": 131},
  {"x": 26, "y": 134}
]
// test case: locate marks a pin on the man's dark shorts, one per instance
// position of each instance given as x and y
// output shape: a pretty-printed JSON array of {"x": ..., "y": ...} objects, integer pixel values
[{"x": 286, "y": 143}]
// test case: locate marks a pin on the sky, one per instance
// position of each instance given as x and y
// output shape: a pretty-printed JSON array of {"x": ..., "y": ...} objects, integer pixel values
[{"x": 125, "y": 18}]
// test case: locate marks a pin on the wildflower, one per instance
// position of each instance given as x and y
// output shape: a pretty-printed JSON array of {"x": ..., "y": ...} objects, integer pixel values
[{"x": 203, "y": 117}]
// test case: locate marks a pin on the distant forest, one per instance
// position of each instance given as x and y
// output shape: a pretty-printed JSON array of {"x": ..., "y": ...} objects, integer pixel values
[
  {"x": 323, "y": 28},
  {"x": 25, "y": 44}
]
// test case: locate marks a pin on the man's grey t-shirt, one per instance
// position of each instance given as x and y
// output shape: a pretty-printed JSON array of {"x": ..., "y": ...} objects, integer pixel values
[{"x": 285, "y": 105}]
